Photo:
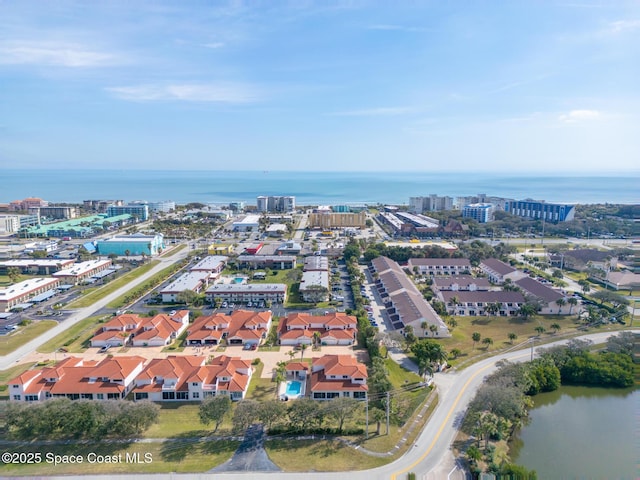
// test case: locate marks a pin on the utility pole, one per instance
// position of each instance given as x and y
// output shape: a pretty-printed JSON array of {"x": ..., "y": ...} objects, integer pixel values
[
  {"x": 366, "y": 409},
  {"x": 533, "y": 341},
  {"x": 388, "y": 402}
]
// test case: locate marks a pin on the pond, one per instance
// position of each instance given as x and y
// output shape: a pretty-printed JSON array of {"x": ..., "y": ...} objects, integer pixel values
[{"x": 581, "y": 433}]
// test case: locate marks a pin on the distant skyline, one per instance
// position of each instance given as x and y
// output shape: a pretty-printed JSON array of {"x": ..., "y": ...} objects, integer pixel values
[{"x": 321, "y": 86}]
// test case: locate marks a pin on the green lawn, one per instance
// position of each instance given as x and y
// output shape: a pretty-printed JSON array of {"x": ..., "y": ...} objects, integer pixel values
[
  {"x": 321, "y": 456},
  {"x": 398, "y": 376},
  {"x": 8, "y": 343},
  {"x": 174, "y": 250},
  {"x": 261, "y": 388},
  {"x": 174, "y": 456},
  {"x": 178, "y": 419},
  {"x": 74, "y": 337},
  {"x": 96, "y": 294}
]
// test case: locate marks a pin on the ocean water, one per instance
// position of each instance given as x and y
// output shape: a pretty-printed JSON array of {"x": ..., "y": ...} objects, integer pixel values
[{"x": 309, "y": 188}]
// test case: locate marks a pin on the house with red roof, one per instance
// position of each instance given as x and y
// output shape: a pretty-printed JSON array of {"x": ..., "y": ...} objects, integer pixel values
[
  {"x": 188, "y": 377},
  {"x": 110, "y": 379},
  {"x": 335, "y": 376},
  {"x": 156, "y": 331},
  {"x": 241, "y": 327},
  {"x": 335, "y": 328}
]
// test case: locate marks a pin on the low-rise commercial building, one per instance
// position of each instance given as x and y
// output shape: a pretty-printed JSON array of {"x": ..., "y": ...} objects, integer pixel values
[
  {"x": 136, "y": 244},
  {"x": 329, "y": 220},
  {"x": 20, "y": 293},
  {"x": 247, "y": 224},
  {"x": 314, "y": 286},
  {"x": 81, "y": 272},
  {"x": 36, "y": 266}
]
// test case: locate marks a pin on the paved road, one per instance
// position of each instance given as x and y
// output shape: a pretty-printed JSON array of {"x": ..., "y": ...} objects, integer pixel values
[
  {"x": 7, "y": 361},
  {"x": 430, "y": 458}
]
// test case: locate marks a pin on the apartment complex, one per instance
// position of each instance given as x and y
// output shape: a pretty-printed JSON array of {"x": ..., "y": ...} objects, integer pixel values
[
  {"x": 157, "y": 331},
  {"x": 241, "y": 293},
  {"x": 404, "y": 303},
  {"x": 136, "y": 244},
  {"x": 482, "y": 303},
  {"x": 440, "y": 266},
  {"x": 499, "y": 272},
  {"x": 140, "y": 211},
  {"x": 75, "y": 378},
  {"x": 335, "y": 328},
  {"x": 240, "y": 327}
]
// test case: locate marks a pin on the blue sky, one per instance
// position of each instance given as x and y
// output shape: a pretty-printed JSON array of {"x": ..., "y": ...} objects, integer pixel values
[{"x": 354, "y": 85}]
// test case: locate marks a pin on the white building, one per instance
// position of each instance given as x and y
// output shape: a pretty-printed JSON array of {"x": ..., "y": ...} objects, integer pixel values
[
  {"x": 482, "y": 212},
  {"x": 247, "y": 224}
]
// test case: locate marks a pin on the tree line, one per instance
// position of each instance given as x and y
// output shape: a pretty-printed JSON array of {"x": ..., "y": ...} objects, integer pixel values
[
  {"x": 501, "y": 404},
  {"x": 87, "y": 419}
]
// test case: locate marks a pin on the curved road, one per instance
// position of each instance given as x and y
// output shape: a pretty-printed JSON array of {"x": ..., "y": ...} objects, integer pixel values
[
  {"x": 430, "y": 458},
  {"x": 7, "y": 361}
]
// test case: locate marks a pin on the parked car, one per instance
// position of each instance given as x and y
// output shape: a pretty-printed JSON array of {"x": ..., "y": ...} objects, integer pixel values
[
  {"x": 247, "y": 346},
  {"x": 105, "y": 348}
]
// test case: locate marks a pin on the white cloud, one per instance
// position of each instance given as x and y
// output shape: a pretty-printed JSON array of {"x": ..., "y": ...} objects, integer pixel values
[
  {"x": 579, "y": 115},
  {"x": 213, "y": 45},
  {"x": 623, "y": 25},
  {"x": 215, "y": 93},
  {"x": 373, "y": 112},
  {"x": 53, "y": 54}
]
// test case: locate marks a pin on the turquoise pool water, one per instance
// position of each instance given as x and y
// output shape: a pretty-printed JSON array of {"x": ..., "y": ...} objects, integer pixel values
[
  {"x": 293, "y": 388},
  {"x": 238, "y": 280}
]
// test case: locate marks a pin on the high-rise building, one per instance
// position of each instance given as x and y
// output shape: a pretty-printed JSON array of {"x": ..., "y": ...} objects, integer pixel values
[
  {"x": 431, "y": 203},
  {"x": 141, "y": 211},
  {"x": 276, "y": 204},
  {"x": 482, "y": 212}
]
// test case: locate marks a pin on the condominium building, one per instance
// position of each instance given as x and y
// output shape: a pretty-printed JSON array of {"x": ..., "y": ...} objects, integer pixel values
[
  {"x": 26, "y": 204},
  {"x": 276, "y": 204},
  {"x": 240, "y": 327},
  {"x": 140, "y": 211},
  {"x": 335, "y": 328},
  {"x": 431, "y": 203},
  {"x": 482, "y": 212},
  {"x": 233, "y": 292},
  {"x": 440, "y": 266},
  {"x": 335, "y": 376},
  {"x": 551, "y": 212},
  {"x": 55, "y": 212}
]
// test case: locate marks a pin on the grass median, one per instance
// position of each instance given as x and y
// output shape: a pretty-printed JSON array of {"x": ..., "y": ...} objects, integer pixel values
[
  {"x": 9, "y": 343},
  {"x": 74, "y": 337},
  {"x": 94, "y": 295}
]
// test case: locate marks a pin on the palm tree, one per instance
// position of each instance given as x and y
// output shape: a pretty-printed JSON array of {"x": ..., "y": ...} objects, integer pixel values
[
  {"x": 487, "y": 341},
  {"x": 303, "y": 347},
  {"x": 586, "y": 288},
  {"x": 433, "y": 329},
  {"x": 316, "y": 339},
  {"x": 540, "y": 329},
  {"x": 475, "y": 336},
  {"x": 424, "y": 325},
  {"x": 512, "y": 336},
  {"x": 572, "y": 303},
  {"x": 555, "y": 327},
  {"x": 291, "y": 354},
  {"x": 560, "y": 302},
  {"x": 455, "y": 301},
  {"x": 452, "y": 323},
  {"x": 455, "y": 352},
  {"x": 527, "y": 310}
]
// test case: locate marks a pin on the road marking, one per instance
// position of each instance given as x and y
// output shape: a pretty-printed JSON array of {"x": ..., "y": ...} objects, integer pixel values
[{"x": 446, "y": 420}]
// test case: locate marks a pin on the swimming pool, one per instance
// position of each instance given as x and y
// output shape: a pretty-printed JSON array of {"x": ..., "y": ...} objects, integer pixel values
[
  {"x": 238, "y": 280},
  {"x": 293, "y": 389}
]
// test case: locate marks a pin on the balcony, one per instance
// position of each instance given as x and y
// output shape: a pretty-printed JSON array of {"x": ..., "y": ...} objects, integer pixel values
[
  {"x": 168, "y": 387},
  {"x": 211, "y": 387}
]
